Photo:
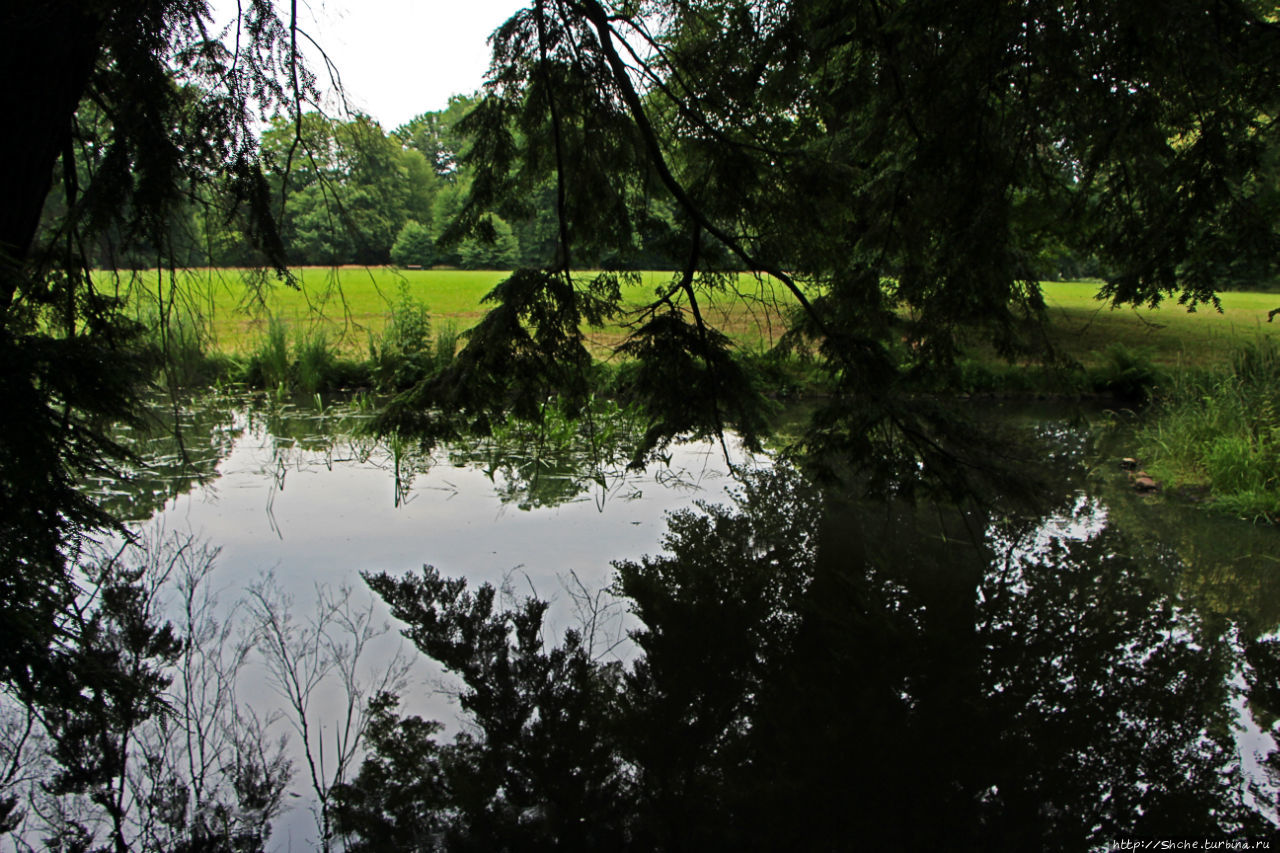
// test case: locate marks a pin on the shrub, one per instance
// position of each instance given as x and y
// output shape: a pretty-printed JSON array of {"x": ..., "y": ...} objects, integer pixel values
[
  {"x": 408, "y": 329},
  {"x": 974, "y": 376},
  {"x": 414, "y": 246},
  {"x": 403, "y": 354},
  {"x": 1128, "y": 374},
  {"x": 1223, "y": 432}
]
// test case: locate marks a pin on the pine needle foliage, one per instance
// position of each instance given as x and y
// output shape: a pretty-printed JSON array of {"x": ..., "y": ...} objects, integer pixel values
[{"x": 904, "y": 169}]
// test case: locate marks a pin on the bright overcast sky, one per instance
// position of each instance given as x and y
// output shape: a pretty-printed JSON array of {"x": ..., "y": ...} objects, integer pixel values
[{"x": 399, "y": 58}]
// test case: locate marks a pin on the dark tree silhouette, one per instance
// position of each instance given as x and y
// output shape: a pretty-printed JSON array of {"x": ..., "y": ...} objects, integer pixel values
[
  {"x": 124, "y": 109},
  {"x": 815, "y": 673},
  {"x": 117, "y": 114},
  {"x": 902, "y": 170}
]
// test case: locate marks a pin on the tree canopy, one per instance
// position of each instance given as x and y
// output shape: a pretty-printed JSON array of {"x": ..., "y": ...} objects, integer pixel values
[{"x": 905, "y": 171}]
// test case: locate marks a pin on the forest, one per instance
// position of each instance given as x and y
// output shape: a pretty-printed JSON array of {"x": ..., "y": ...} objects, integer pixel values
[{"x": 359, "y": 195}]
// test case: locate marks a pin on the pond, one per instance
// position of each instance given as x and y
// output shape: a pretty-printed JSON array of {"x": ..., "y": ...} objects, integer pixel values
[
  {"x": 294, "y": 487},
  {"x": 1094, "y": 664}
]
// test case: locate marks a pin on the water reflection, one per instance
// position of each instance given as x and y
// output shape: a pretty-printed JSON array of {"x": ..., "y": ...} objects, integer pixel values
[
  {"x": 529, "y": 467},
  {"x": 301, "y": 489},
  {"x": 1034, "y": 686},
  {"x": 177, "y": 449},
  {"x": 813, "y": 670}
]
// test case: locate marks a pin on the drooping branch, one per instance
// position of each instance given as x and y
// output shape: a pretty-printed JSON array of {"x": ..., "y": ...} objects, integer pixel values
[{"x": 599, "y": 19}]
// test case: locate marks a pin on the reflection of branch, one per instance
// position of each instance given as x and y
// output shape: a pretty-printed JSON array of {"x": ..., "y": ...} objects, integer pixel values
[
  {"x": 11, "y": 777},
  {"x": 592, "y": 610},
  {"x": 299, "y": 661},
  {"x": 216, "y": 741}
]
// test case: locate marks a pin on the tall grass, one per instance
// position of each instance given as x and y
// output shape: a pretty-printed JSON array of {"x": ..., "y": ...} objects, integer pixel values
[
  {"x": 188, "y": 353},
  {"x": 268, "y": 364},
  {"x": 1221, "y": 433},
  {"x": 315, "y": 360},
  {"x": 446, "y": 343},
  {"x": 312, "y": 365}
]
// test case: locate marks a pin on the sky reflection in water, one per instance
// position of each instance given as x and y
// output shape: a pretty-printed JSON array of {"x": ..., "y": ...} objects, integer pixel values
[{"x": 1091, "y": 660}]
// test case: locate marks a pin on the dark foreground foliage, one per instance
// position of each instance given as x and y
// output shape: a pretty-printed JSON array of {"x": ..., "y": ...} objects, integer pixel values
[{"x": 906, "y": 172}]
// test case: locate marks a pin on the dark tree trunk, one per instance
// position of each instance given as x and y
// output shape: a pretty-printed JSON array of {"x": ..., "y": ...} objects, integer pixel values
[{"x": 47, "y": 54}]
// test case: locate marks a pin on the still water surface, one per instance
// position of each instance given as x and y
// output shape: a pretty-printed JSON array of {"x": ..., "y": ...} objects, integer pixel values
[{"x": 294, "y": 490}]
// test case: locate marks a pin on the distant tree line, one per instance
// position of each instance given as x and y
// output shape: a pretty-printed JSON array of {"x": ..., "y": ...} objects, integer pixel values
[{"x": 345, "y": 191}]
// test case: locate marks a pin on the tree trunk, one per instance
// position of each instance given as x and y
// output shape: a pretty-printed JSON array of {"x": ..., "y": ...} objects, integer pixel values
[{"x": 47, "y": 54}]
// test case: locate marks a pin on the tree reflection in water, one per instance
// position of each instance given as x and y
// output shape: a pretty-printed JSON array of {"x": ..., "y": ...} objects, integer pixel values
[{"x": 817, "y": 673}]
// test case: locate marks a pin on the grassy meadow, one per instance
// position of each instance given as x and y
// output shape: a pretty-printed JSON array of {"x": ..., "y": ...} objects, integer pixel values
[
  {"x": 1170, "y": 336},
  {"x": 232, "y": 309}
]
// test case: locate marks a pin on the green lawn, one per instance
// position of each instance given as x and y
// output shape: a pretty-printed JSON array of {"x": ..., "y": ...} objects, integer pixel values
[
  {"x": 351, "y": 303},
  {"x": 347, "y": 303},
  {"x": 1170, "y": 334}
]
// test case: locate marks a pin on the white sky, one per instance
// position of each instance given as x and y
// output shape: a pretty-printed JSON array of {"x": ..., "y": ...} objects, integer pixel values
[{"x": 399, "y": 58}]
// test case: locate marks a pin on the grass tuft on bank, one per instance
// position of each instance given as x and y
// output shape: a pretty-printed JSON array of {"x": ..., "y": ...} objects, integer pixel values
[{"x": 1217, "y": 435}]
